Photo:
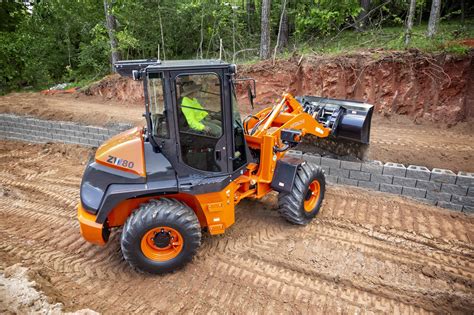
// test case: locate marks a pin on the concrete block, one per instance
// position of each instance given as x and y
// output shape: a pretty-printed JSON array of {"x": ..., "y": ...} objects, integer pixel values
[
  {"x": 454, "y": 189},
  {"x": 381, "y": 179},
  {"x": 339, "y": 172},
  {"x": 347, "y": 181},
  {"x": 418, "y": 172},
  {"x": 359, "y": 175},
  {"x": 374, "y": 167},
  {"x": 414, "y": 192},
  {"x": 470, "y": 191},
  {"x": 393, "y": 189},
  {"x": 331, "y": 179},
  {"x": 465, "y": 179},
  {"x": 347, "y": 165},
  {"x": 369, "y": 185},
  {"x": 449, "y": 205},
  {"x": 423, "y": 184},
  {"x": 310, "y": 157},
  {"x": 434, "y": 195},
  {"x": 330, "y": 162},
  {"x": 404, "y": 181},
  {"x": 463, "y": 200},
  {"x": 394, "y": 169},
  {"x": 78, "y": 133},
  {"x": 325, "y": 169},
  {"x": 468, "y": 209},
  {"x": 290, "y": 152},
  {"x": 443, "y": 176}
]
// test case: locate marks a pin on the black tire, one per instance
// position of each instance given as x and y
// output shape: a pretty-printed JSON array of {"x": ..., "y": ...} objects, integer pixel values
[
  {"x": 291, "y": 205},
  {"x": 158, "y": 213}
]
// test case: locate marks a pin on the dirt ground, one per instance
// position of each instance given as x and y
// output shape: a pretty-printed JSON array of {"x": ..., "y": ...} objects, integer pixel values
[
  {"x": 393, "y": 139},
  {"x": 365, "y": 252}
]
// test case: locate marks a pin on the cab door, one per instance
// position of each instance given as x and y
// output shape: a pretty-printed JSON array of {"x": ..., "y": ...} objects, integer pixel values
[{"x": 200, "y": 119}]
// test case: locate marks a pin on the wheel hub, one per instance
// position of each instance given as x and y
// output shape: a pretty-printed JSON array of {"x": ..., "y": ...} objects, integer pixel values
[{"x": 162, "y": 239}]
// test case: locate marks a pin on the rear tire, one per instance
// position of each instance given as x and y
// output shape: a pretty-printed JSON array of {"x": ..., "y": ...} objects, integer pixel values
[
  {"x": 302, "y": 204},
  {"x": 161, "y": 236}
]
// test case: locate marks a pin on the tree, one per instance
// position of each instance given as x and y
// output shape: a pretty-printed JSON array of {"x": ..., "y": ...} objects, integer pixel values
[
  {"x": 250, "y": 15},
  {"x": 265, "y": 30},
  {"x": 283, "y": 29},
  {"x": 411, "y": 15},
  {"x": 111, "y": 24},
  {"x": 434, "y": 18},
  {"x": 361, "y": 19}
]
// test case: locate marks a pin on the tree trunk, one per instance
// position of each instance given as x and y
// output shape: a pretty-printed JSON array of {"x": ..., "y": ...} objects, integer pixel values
[
  {"x": 434, "y": 18},
  {"x": 463, "y": 11},
  {"x": 411, "y": 14},
  {"x": 265, "y": 30},
  {"x": 362, "y": 18},
  {"x": 283, "y": 32},
  {"x": 250, "y": 14},
  {"x": 111, "y": 24}
]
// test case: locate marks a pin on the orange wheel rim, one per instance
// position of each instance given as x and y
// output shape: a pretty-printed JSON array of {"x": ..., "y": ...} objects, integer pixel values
[
  {"x": 162, "y": 243},
  {"x": 312, "y": 196}
]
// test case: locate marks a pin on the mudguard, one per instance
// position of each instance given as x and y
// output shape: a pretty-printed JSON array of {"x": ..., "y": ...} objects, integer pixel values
[{"x": 285, "y": 173}]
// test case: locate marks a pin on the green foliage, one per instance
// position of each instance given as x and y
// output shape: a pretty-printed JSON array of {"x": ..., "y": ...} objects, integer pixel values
[
  {"x": 323, "y": 16},
  {"x": 67, "y": 40}
]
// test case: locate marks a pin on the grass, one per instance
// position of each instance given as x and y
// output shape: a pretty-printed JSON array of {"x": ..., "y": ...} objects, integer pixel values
[{"x": 387, "y": 38}]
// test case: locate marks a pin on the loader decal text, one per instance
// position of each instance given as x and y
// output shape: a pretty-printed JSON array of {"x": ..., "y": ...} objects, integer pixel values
[{"x": 120, "y": 162}]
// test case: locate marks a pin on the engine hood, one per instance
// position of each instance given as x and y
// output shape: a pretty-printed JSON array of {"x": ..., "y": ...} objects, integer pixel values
[{"x": 124, "y": 152}]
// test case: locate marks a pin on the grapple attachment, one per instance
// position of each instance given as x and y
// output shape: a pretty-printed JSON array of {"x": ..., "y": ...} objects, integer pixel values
[{"x": 347, "y": 119}]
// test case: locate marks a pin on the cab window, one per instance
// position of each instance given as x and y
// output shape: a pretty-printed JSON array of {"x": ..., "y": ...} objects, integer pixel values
[
  {"x": 157, "y": 106},
  {"x": 200, "y": 126}
]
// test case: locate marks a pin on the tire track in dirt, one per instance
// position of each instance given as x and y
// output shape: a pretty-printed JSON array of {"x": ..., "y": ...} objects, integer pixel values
[{"x": 365, "y": 252}]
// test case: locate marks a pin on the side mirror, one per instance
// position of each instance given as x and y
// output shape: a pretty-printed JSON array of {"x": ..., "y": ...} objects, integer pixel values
[{"x": 250, "y": 95}]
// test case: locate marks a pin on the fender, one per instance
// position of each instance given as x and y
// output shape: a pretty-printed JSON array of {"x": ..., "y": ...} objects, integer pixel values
[{"x": 285, "y": 173}]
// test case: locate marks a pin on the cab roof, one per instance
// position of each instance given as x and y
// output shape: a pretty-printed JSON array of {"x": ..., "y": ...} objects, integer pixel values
[{"x": 126, "y": 67}]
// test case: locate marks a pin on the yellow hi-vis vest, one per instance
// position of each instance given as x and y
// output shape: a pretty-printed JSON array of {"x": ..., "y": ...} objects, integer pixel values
[{"x": 194, "y": 113}]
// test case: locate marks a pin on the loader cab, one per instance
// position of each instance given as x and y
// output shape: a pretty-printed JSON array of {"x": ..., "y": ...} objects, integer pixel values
[{"x": 193, "y": 119}]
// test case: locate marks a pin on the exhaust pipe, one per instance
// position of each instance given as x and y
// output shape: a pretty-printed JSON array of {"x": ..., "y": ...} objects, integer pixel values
[{"x": 347, "y": 119}]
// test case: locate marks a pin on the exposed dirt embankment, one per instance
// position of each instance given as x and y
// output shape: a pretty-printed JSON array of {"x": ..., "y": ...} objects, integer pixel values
[
  {"x": 425, "y": 87},
  {"x": 115, "y": 87}
]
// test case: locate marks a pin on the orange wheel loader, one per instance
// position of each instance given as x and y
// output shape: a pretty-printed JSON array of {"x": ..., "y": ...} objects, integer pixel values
[{"x": 184, "y": 173}]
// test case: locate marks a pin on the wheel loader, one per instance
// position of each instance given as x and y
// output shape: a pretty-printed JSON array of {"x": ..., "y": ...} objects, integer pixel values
[{"x": 184, "y": 172}]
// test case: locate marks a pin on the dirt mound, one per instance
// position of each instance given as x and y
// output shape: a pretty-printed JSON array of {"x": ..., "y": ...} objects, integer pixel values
[
  {"x": 21, "y": 293},
  {"x": 118, "y": 88},
  {"x": 365, "y": 252},
  {"x": 421, "y": 86},
  {"x": 424, "y": 87}
]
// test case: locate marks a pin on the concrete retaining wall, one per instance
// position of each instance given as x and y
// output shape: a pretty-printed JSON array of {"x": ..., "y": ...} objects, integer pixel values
[
  {"x": 31, "y": 129},
  {"x": 436, "y": 187}
]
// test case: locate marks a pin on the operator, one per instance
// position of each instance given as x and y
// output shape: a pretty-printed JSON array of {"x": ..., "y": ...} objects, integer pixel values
[{"x": 196, "y": 116}]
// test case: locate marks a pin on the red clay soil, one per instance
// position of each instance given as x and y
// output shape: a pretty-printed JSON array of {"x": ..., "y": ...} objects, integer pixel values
[{"x": 421, "y": 86}]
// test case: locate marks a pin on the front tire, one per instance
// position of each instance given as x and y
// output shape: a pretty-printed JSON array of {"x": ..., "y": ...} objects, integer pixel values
[
  {"x": 161, "y": 236},
  {"x": 304, "y": 201}
]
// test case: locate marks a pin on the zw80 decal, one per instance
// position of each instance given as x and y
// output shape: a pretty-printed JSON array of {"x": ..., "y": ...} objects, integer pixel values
[{"x": 119, "y": 162}]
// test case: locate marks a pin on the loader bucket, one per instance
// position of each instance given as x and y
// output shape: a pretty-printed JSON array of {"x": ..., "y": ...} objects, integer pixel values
[{"x": 347, "y": 119}]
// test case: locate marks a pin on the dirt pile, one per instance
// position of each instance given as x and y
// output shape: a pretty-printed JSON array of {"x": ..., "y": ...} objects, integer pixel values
[
  {"x": 118, "y": 88},
  {"x": 20, "y": 293},
  {"x": 424, "y": 87}
]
